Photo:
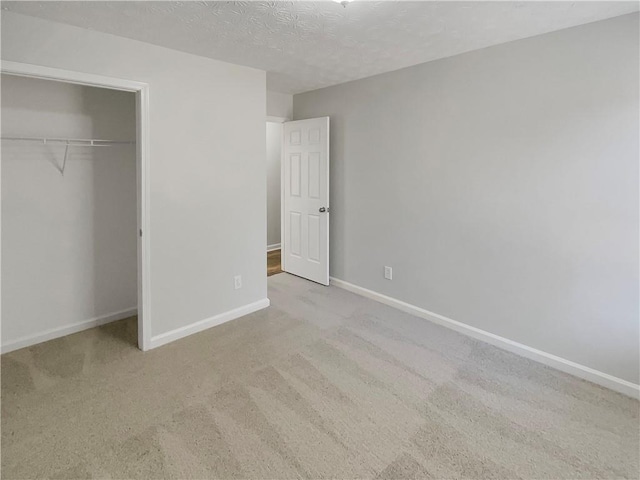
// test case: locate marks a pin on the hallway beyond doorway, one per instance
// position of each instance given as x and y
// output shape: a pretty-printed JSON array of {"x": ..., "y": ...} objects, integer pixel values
[{"x": 274, "y": 264}]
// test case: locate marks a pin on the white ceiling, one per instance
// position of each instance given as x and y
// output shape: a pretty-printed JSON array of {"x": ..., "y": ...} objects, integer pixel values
[{"x": 308, "y": 45}]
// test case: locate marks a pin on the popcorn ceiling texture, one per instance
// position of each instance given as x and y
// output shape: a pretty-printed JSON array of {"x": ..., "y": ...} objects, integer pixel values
[{"x": 309, "y": 45}]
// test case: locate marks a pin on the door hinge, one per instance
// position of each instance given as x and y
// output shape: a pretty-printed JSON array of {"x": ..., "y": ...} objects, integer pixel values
[{"x": 140, "y": 232}]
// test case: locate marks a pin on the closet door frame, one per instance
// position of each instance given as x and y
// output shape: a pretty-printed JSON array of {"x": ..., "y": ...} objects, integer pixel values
[{"x": 142, "y": 168}]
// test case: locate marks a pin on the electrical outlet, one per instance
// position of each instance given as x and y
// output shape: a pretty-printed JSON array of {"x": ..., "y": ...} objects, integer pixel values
[
  {"x": 237, "y": 282},
  {"x": 388, "y": 273}
]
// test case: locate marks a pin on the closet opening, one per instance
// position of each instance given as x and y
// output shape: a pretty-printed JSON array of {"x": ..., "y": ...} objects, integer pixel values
[{"x": 73, "y": 209}]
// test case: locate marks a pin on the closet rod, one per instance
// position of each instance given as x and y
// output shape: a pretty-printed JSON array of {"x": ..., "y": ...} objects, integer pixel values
[
  {"x": 74, "y": 142},
  {"x": 70, "y": 142}
]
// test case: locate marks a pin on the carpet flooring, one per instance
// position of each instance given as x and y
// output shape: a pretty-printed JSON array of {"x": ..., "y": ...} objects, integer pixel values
[{"x": 323, "y": 384}]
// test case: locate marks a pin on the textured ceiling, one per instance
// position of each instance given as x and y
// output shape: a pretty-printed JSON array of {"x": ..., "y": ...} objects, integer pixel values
[{"x": 309, "y": 45}]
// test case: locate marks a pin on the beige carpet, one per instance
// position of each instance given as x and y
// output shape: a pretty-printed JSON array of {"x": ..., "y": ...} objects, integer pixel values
[{"x": 323, "y": 384}]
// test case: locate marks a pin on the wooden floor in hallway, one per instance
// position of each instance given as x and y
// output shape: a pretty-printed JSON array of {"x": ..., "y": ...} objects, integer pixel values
[{"x": 274, "y": 265}]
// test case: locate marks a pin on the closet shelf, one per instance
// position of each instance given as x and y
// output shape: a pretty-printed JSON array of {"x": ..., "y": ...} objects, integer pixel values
[{"x": 70, "y": 142}]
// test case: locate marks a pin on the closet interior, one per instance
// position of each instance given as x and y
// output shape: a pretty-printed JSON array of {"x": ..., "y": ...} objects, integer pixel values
[{"x": 69, "y": 210}]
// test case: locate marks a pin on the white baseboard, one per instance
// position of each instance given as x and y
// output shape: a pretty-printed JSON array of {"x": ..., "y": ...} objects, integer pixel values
[
  {"x": 600, "y": 378},
  {"x": 196, "y": 327},
  {"x": 29, "y": 340},
  {"x": 275, "y": 246}
]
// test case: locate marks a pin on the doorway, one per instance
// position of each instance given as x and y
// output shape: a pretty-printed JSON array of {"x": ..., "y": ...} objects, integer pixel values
[
  {"x": 65, "y": 158},
  {"x": 274, "y": 154},
  {"x": 298, "y": 198}
]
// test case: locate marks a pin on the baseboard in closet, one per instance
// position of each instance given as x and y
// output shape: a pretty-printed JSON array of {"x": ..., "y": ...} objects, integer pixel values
[
  {"x": 586, "y": 373},
  {"x": 53, "y": 333},
  {"x": 275, "y": 246}
]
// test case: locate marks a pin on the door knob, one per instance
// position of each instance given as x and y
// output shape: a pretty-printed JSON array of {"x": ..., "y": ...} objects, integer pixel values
[{"x": 322, "y": 210}]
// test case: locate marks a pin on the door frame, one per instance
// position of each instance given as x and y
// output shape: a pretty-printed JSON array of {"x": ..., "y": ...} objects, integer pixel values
[
  {"x": 281, "y": 120},
  {"x": 142, "y": 167}
]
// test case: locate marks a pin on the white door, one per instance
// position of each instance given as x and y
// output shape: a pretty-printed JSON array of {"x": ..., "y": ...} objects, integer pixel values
[{"x": 305, "y": 199}]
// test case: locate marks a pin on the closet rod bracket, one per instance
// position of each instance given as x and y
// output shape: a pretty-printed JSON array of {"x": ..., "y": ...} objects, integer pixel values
[{"x": 64, "y": 162}]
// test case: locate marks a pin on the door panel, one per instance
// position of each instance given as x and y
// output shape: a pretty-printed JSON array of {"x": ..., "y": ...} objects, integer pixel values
[
  {"x": 295, "y": 233},
  {"x": 294, "y": 160},
  {"x": 305, "y": 248}
]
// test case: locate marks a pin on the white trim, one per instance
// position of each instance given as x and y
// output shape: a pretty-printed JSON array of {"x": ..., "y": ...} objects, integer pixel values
[
  {"x": 69, "y": 76},
  {"x": 600, "y": 378},
  {"x": 275, "y": 246},
  {"x": 29, "y": 340},
  {"x": 277, "y": 119},
  {"x": 144, "y": 221},
  {"x": 142, "y": 162},
  {"x": 283, "y": 257},
  {"x": 207, "y": 323}
]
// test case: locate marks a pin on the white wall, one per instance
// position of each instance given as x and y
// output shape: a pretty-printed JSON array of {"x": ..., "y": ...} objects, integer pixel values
[
  {"x": 502, "y": 187},
  {"x": 274, "y": 147},
  {"x": 207, "y": 163},
  {"x": 68, "y": 242},
  {"x": 279, "y": 105}
]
